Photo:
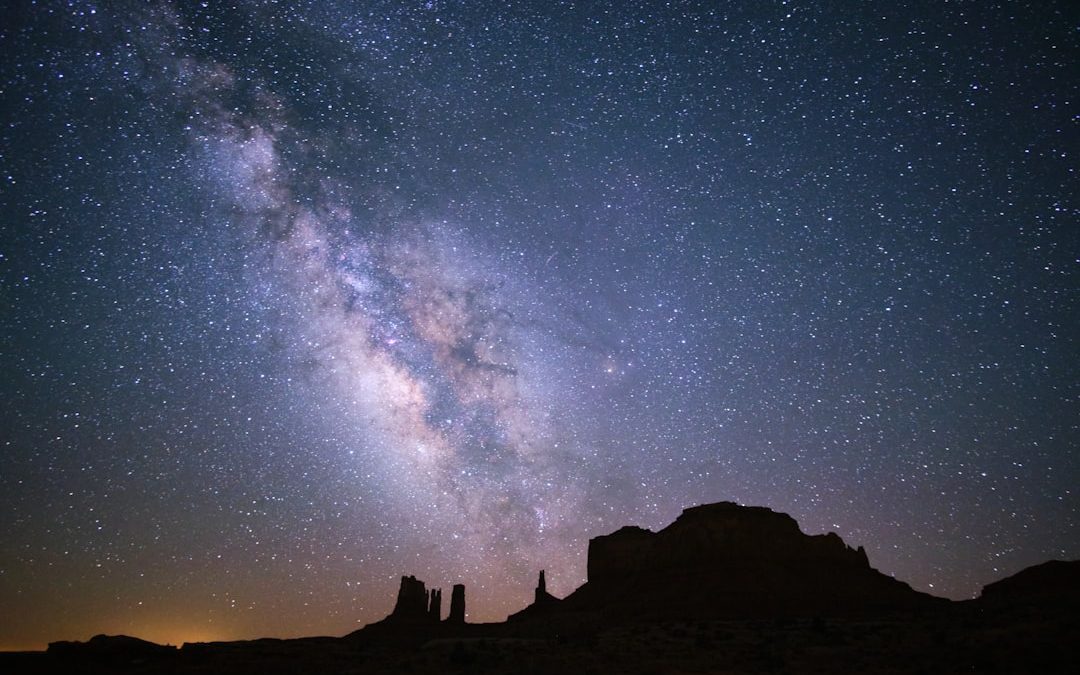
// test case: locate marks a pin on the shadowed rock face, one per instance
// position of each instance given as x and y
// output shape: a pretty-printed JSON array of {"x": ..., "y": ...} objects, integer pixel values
[
  {"x": 544, "y": 604},
  {"x": 541, "y": 596},
  {"x": 412, "y": 601},
  {"x": 723, "y": 532},
  {"x": 1053, "y": 584},
  {"x": 457, "y": 604},
  {"x": 726, "y": 560}
]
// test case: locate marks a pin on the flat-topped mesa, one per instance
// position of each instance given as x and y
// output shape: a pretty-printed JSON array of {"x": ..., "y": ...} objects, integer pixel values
[
  {"x": 457, "y": 604},
  {"x": 729, "y": 560},
  {"x": 722, "y": 532}
]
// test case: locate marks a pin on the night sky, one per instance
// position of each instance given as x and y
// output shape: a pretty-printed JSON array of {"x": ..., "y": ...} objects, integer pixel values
[{"x": 296, "y": 298}]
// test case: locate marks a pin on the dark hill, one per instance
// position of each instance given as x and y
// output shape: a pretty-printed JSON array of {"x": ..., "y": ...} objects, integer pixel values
[
  {"x": 729, "y": 561},
  {"x": 109, "y": 646},
  {"x": 1053, "y": 584}
]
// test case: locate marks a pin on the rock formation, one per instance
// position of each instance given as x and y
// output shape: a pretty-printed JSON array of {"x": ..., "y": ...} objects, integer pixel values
[
  {"x": 412, "y": 601},
  {"x": 457, "y": 604},
  {"x": 717, "y": 561},
  {"x": 725, "y": 560},
  {"x": 544, "y": 603},
  {"x": 417, "y": 615},
  {"x": 541, "y": 596}
]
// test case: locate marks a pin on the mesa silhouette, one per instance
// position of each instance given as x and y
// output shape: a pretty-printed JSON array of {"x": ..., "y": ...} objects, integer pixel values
[
  {"x": 729, "y": 561},
  {"x": 717, "y": 561},
  {"x": 737, "y": 587}
]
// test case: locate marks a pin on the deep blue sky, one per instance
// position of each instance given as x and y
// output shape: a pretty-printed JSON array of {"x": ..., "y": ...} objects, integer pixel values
[{"x": 300, "y": 297}]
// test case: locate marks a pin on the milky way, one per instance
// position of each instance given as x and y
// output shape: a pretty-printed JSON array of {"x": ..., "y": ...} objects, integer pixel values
[
  {"x": 431, "y": 345},
  {"x": 301, "y": 299}
]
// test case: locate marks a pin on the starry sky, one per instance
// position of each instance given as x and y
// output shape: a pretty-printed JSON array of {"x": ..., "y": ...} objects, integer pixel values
[{"x": 299, "y": 297}]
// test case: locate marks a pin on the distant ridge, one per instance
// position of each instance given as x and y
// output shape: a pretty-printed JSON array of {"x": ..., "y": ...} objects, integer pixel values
[
  {"x": 1052, "y": 584},
  {"x": 111, "y": 648}
]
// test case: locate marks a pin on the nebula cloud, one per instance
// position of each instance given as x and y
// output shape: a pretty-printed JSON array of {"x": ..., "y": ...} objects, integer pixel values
[{"x": 412, "y": 325}]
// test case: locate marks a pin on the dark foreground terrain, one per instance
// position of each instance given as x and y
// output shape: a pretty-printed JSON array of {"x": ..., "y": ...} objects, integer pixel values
[
  {"x": 965, "y": 640},
  {"x": 723, "y": 589}
]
